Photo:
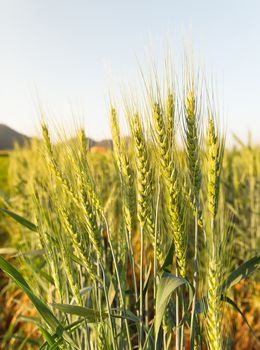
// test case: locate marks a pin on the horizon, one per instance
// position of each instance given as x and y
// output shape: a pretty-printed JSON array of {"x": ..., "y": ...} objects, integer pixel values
[{"x": 236, "y": 141}]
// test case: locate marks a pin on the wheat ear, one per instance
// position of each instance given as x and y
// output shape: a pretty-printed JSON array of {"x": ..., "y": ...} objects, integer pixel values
[
  {"x": 169, "y": 173},
  {"x": 214, "y": 307},
  {"x": 82, "y": 200}
]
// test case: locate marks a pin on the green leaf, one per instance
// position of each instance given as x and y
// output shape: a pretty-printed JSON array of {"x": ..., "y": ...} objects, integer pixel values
[
  {"x": 47, "y": 336},
  {"x": 12, "y": 272},
  {"x": 45, "y": 275},
  {"x": 149, "y": 341},
  {"x": 111, "y": 293},
  {"x": 243, "y": 271},
  {"x": 85, "y": 290},
  {"x": 43, "y": 310},
  {"x": 56, "y": 345},
  {"x": 147, "y": 279},
  {"x": 235, "y": 306},
  {"x": 129, "y": 315},
  {"x": 146, "y": 283},
  {"x": 169, "y": 259},
  {"x": 90, "y": 314},
  {"x": 70, "y": 329},
  {"x": 167, "y": 285},
  {"x": 24, "y": 342},
  {"x": 20, "y": 219},
  {"x": 73, "y": 326}
]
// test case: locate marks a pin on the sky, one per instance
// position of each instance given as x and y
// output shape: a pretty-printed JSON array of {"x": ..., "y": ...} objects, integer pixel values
[{"x": 67, "y": 55}]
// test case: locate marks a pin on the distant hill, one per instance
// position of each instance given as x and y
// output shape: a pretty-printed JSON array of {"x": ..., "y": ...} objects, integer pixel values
[
  {"x": 9, "y": 137},
  {"x": 104, "y": 143}
]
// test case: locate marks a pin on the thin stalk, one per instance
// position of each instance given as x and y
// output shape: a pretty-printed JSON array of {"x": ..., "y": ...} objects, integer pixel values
[
  {"x": 119, "y": 283},
  {"x": 108, "y": 309},
  {"x": 99, "y": 298},
  {"x": 164, "y": 340},
  {"x": 141, "y": 286},
  {"x": 179, "y": 315},
  {"x": 132, "y": 262},
  {"x": 97, "y": 304},
  {"x": 252, "y": 209},
  {"x": 182, "y": 331},
  {"x": 130, "y": 252},
  {"x": 154, "y": 253},
  {"x": 98, "y": 289},
  {"x": 155, "y": 242},
  {"x": 146, "y": 306},
  {"x": 169, "y": 342},
  {"x": 133, "y": 268},
  {"x": 177, "y": 339},
  {"x": 195, "y": 279}
]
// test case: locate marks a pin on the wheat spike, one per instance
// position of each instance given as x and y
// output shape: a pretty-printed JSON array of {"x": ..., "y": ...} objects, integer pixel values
[
  {"x": 78, "y": 247},
  {"x": 144, "y": 181},
  {"x": 169, "y": 174},
  {"x": 214, "y": 307},
  {"x": 214, "y": 155},
  {"x": 192, "y": 142}
]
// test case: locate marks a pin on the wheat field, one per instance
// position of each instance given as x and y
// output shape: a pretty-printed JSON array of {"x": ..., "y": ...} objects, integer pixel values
[{"x": 148, "y": 245}]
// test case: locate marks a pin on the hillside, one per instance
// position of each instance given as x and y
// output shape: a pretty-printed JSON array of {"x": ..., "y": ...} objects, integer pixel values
[
  {"x": 106, "y": 143},
  {"x": 9, "y": 137}
]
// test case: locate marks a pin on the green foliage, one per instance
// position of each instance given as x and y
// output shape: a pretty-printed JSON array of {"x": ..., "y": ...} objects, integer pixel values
[{"x": 4, "y": 163}]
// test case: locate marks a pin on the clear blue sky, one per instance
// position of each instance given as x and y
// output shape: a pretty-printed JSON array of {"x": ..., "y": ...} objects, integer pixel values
[{"x": 68, "y": 52}]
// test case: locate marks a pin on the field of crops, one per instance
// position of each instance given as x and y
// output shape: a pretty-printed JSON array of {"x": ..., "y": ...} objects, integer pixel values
[{"x": 151, "y": 245}]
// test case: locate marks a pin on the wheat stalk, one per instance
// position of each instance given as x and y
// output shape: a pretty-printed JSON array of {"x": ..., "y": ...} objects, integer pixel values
[
  {"x": 214, "y": 306},
  {"x": 81, "y": 198},
  {"x": 214, "y": 328},
  {"x": 169, "y": 173},
  {"x": 144, "y": 181},
  {"x": 81, "y": 253},
  {"x": 127, "y": 184}
]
